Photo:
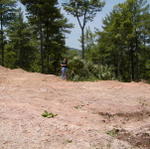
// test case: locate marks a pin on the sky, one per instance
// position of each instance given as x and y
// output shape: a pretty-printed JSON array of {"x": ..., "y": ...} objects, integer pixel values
[{"x": 72, "y": 39}]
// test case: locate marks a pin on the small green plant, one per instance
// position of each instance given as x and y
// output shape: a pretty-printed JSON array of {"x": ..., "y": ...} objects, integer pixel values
[
  {"x": 78, "y": 106},
  {"x": 48, "y": 115},
  {"x": 69, "y": 141},
  {"x": 114, "y": 132}
]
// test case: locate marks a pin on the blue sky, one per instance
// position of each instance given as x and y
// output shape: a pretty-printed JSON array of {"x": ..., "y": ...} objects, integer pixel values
[{"x": 72, "y": 39}]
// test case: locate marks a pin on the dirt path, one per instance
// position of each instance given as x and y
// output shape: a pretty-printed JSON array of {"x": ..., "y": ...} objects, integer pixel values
[{"x": 90, "y": 115}]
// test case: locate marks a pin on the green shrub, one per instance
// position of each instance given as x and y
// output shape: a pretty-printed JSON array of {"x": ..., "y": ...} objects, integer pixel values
[{"x": 81, "y": 70}]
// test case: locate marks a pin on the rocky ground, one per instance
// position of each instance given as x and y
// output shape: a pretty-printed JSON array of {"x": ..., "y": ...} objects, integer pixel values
[{"x": 85, "y": 115}]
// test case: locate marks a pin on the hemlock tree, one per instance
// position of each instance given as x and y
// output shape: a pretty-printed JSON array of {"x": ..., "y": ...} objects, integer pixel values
[
  {"x": 84, "y": 11},
  {"x": 7, "y": 13}
]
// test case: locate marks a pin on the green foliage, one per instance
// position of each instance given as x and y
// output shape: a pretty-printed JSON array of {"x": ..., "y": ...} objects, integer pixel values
[
  {"x": 125, "y": 39},
  {"x": 7, "y": 11},
  {"x": 10, "y": 56},
  {"x": 49, "y": 27},
  {"x": 114, "y": 132},
  {"x": 21, "y": 47},
  {"x": 78, "y": 8},
  {"x": 48, "y": 115},
  {"x": 7, "y": 14},
  {"x": 81, "y": 70},
  {"x": 71, "y": 53}
]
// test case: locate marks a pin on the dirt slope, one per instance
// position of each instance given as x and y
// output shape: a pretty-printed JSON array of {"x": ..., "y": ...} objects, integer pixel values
[{"x": 91, "y": 115}]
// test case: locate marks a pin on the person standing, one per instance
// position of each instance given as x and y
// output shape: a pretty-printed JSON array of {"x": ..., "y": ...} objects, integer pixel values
[{"x": 64, "y": 69}]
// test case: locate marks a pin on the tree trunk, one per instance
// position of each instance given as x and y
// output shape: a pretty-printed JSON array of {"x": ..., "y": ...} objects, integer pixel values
[
  {"x": 137, "y": 59},
  {"x": 2, "y": 41},
  {"x": 41, "y": 49},
  {"x": 118, "y": 66},
  {"x": 47, "y": 48},
  {"x": 132, "y": 64},
  {"x": 83, "y": 43}
]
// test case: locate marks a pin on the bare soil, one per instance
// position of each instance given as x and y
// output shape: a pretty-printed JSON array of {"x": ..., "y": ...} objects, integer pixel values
[{"x": 90, "y": 115}]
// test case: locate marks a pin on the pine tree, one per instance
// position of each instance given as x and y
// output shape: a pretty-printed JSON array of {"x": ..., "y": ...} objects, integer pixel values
[
  {"x": 125, "y": 39},
  {"x": 22, "y": 44},
  {"x": 50, "y": 26},
  {"x": 7, "y": 14}
]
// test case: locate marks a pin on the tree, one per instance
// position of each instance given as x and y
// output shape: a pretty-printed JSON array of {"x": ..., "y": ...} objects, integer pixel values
[
  {"x": 90, "y": 44},
  {"x": 7, "y": 13},
  {"x": 50, "y": 26},
  {"x": 84, "y": 11},
  {"x": 136, "y": 12},
  {"x": 125, "y": 39},
  {"x": 22, "y": 44}
]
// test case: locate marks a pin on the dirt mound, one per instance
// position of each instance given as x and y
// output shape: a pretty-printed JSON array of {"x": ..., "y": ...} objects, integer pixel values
[
  {"x": 18, "y": 70},
  {"x": 87, "y": 115},
  {"x": 3, "y": 69}
]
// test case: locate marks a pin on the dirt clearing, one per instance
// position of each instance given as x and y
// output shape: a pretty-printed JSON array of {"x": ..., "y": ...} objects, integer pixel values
[{"x": 90, "y": 115}]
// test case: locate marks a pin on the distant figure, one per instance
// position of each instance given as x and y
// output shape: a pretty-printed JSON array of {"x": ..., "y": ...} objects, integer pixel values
[{"x": 64, "y": 69}]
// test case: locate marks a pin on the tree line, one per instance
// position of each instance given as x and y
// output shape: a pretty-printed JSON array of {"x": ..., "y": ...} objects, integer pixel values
[
  {"x": 37, "y": 43},
  {"x": 34, "y": 44},
  {"x": 124, "y": 42}
]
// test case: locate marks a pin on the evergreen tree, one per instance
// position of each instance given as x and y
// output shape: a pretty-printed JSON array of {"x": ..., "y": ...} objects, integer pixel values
[
  {"x": 50, "y": 26},
  {"x": 22, "y": 46},
  {"x": 7, "y": 14},
  {"x": 125, "y": 39}
]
